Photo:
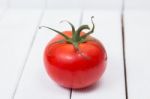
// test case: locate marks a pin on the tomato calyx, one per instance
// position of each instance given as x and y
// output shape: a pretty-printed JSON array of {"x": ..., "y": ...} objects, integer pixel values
[{"x": 76, "y": 37}]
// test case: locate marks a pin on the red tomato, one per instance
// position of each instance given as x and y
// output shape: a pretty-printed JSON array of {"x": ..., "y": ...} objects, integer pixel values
[{"x": 72, "y": 68}]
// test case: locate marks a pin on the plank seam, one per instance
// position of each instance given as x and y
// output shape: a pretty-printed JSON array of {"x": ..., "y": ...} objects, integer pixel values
[
  {"x": 70, "y": 96},
  {"x": 124, "y": 48},
  {"x": 28, "y": 54}
]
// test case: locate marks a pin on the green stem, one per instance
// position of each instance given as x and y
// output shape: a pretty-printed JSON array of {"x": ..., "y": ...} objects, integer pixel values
[
  {"x": 59, "y": 41},
  {"x": 92, "y": 30},
  {"x": 72, "y": 27},
  {"x": 77, "y": 35},
  {"x": 65, "y": 36}
]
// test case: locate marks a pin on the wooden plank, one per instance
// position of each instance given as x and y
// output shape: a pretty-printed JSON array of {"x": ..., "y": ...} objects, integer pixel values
[
  {"x": 17, "y": 28},
  {"x": 108, "y": 31},
  {"x": 137, "y": 38},
  {"x": 35, "y": 84}
]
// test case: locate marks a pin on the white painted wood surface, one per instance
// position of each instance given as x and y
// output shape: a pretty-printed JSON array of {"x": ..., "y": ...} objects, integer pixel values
[
  {"x": 3, "y": 3},
  {"x": 137, "y": 4},
  {"x": 16, "y": 32},
  {"x": 63, "y": 4},
  {"x": 35, "y": 83},
  {"x": 27, "y": 3},
  {"x": 137, "y": 34},
  {"x": 107, "y": 30},
  {"x": 3, "y": 9},
  {"x": 17, "y": 28},
  {"x": 1, "y": 13},
  {"x": 90, "y": 4}
]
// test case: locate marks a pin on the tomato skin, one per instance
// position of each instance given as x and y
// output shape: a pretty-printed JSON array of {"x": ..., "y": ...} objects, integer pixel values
[{"x": 71, "y": 69}]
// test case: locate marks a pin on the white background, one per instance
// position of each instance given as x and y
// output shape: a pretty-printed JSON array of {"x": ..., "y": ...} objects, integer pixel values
[{"x": 86, "y": 4}]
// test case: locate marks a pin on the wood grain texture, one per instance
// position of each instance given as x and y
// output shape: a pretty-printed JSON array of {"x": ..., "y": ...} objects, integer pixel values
[
  {"x": 16, "y": 30},
  {"x": 108, "y": 31},
  {"x": 35, "y": 83},
  {"x": 137, "y": 38}
]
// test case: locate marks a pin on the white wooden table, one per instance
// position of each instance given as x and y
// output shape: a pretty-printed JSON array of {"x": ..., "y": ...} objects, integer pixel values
[{"x": 126, "y": 38}]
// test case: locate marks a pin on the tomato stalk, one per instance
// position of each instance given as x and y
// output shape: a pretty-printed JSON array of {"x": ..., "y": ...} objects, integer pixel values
[{"x": 76, "y": 37}]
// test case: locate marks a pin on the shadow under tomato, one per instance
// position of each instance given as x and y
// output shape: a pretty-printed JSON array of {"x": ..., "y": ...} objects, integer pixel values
[{"x": 91, "y": 88}]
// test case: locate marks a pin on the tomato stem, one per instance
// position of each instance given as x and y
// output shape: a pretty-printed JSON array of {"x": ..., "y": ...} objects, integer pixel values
[
  {"x": 65, "y": 36},
  {"x": 76, "y": 37},
  {"x": 72, "y": 26},
  {"x": 92, "y": 30}
]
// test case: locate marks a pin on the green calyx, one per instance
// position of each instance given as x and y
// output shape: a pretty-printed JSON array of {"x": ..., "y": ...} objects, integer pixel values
[{"x": 76, "y": 37}]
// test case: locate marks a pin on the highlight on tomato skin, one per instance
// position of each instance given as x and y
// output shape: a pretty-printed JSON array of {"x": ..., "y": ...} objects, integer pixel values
[{"x": 74, "y": 59}]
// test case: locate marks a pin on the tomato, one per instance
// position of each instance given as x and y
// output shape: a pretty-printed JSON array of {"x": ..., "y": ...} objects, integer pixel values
[{"x": 75, "y": 66}]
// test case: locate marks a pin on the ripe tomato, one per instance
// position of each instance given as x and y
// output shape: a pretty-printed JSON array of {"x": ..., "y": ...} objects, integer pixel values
[{"x": 75, "y": 62}]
